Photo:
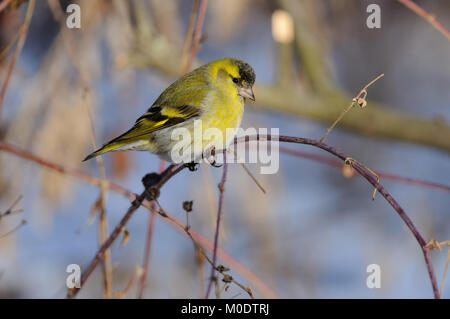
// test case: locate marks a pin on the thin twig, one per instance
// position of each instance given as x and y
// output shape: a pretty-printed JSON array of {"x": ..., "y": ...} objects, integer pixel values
[
  {"x": 360, "y": 99},
  {"x": 4, "y": 52},
  {"x": 10, "y": 209},
  {"x": 189, "y": 38},
  {"x": 219, "y": 216},
  {"x": 197, "y": 36},
  {"x": 434, "y": 244},
  {"x": 21, "y": 42},
  {"x": 430, "y": 18},
  {"x": 445, "y": 273},
  {"x": 249, "y": 173}
]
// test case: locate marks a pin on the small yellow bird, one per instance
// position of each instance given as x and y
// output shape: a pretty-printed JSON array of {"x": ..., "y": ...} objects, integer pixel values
[{"x": 212, "y": 95}]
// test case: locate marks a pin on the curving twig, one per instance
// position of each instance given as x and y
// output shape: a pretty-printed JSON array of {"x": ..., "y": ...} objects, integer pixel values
[{"x": 364, "y": 172}]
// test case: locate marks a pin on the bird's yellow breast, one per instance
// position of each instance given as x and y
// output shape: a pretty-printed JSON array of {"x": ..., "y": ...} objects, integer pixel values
[{"x": 225, "y": 112}]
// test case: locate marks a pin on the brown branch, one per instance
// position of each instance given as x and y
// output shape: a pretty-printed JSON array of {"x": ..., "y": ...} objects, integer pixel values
[
  {"x": 4, "y": 52},
  {"x": 21, "y": 42},
  {"x": 359, "y": 99},
  {"x": 4, "y": 4},
  {"x": 189, "y": 37},
  {"x": 430, "y": 18},
  {"x": 219, "y": 216}
]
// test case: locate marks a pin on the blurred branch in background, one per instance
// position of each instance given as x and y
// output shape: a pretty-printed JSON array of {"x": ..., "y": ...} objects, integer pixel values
[
  {"x": 316, "y": 97},
  {"x": 85, "y": 81},
  {"x": 4, "y": 4},
  {"x": 430, "y": 18},
  {"x": 22, "y": 37}
]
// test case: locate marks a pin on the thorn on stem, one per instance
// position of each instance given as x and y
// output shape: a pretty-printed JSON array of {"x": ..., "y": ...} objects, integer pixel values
[{"x": 350, "y": 162}]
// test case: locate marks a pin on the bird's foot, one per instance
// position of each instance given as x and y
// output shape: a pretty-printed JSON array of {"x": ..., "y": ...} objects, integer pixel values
[
  {"x": 212, "y": 158},
  {"x": 214, "y": 163},
  {"x": 192, "y": 166}
]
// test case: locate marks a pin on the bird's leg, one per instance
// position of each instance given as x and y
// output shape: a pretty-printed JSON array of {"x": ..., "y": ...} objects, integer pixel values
[{"x": 192, "y": 166}]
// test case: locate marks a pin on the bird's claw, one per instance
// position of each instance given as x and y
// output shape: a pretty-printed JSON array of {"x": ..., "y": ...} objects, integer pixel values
[
  {"x": 214, "y": 163},
  {"x": 192, "y": 166}
]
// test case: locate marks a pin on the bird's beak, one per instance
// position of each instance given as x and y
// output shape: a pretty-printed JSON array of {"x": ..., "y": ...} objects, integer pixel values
[{"x": 246, "y": 92}]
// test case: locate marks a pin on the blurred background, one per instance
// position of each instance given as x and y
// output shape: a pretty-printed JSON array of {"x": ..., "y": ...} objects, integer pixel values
[{"x": 315, "y": 231}]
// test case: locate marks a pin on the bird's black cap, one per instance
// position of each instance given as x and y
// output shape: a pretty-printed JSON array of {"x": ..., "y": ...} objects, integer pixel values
[{"x": 246, "y": 72}]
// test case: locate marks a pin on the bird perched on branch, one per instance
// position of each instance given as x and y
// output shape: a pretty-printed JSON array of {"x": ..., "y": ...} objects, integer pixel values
[{"x": 211, "y": 97}]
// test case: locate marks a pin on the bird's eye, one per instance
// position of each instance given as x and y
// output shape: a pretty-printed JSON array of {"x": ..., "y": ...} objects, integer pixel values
[{"x": 235, "y": 80}]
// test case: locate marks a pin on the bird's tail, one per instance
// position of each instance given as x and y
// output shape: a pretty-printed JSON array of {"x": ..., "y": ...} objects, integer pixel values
[
  {"x": 134, "y": 138},
  {"x": 111, "y": 146}
]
